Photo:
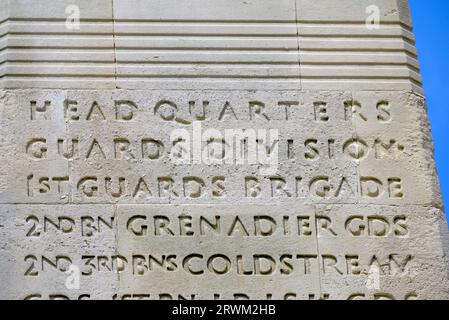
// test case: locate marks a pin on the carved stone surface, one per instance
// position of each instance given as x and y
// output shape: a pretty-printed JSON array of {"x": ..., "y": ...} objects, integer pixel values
[{"x": 210, "y": 149}]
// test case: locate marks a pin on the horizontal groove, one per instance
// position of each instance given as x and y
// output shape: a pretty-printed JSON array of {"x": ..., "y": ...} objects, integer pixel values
[
  {"x": 111, "y": 48},
  {"x": 158, "y": 34},
  {"x": 355, "y": 22},
  {"x": 159, "y": 63},
  {"x": 62, "y": 33},
  {"x": 203, "y": 21},
  {"x": 139, "y": 47},
  {"x": 360, "y": 64},
  {"x": 307, "y": 54},
  {"x": 199, "y": 62},
  {"x": 215, "y": 49},
  {"x": 195, "y": 76},
  {"x": 361, "y": 78},
  {"x": 359, "y": 50},
  {"x": 350, "y": 37},
  {"x": 55, "y": 77},
  {"x": 220, "y": 49},
  {"x": 224, "y": 64},
  {"x": 63, "y": 20},
  {"x": 65, "y": 36},
  {"x": 48, "y": 75},
  {"x": 57, "y": 62},
  {"x": 205, "y": 34},
  {"x": 230, "y": 36},
  {"x": 68, "y": 48},
  {"x": 208, "y": 37},
  {"x": 354, "y": 51}
]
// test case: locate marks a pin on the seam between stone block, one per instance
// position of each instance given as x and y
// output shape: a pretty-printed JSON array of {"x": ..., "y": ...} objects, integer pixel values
[
  {"x": 114, "y": 46},
  {"x": 297, "y": 40}
]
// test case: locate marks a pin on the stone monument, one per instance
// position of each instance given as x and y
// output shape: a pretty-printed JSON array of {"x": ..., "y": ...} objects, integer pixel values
[{"x": 211, "y": 149}]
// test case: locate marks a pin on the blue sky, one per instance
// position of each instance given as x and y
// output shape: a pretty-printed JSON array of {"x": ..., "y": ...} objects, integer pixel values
[{"x": 431, "y": 26}]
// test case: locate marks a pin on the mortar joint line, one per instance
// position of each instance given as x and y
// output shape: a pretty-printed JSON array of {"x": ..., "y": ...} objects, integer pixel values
[
  {"x": 297, "y": 43},
  {"x": 114, "y": 47}
]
